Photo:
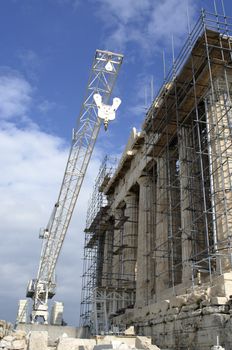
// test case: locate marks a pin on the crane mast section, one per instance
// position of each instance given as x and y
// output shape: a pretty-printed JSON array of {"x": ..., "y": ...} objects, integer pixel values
[{"x": 101, "y": 81}]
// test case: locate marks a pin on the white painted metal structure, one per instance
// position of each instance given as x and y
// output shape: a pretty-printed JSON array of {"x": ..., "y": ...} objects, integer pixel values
[
  {"x": 102, "y": 78},
  {"x": 100, "y": 299}
]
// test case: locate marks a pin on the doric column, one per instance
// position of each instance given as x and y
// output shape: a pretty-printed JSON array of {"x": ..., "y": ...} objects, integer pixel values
[
  {"x": 144, "y": 241},
  {"x": 116, "y": 269},
  {"x": 108, "y": 259},
  {"x": 161, "y": 242},
  {"x": 186, "y": 200},
  {"x": 130, "y": 238},
  {"x": 219, "y": 127},
  {"x": 115, "y": 304}
]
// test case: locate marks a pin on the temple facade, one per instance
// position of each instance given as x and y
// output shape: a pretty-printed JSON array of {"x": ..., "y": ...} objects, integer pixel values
[{"x": 158, "y": 249}]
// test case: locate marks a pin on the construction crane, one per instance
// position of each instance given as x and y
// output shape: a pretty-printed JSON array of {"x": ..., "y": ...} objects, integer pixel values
[{"x": 94, "y": 110}]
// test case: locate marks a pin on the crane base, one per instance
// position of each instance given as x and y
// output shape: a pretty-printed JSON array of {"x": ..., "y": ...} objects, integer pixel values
[{"x": 38, "y": 314}]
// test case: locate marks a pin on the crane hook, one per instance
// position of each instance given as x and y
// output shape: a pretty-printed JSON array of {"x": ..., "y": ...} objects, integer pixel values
[{"x": 106, "y": 123}]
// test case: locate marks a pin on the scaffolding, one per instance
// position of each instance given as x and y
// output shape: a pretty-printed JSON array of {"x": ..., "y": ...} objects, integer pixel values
[
  {"x": 189, "y": 139},
  {"x": 182, "y": 199},
  {"x": 103, "y": 292}
]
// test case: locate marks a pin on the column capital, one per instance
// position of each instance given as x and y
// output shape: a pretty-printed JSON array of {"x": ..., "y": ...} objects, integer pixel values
[
  {"x": 130, "y": 196},
  {"x": 144, "y": 180},
  {"x": 117, "y": 213}
]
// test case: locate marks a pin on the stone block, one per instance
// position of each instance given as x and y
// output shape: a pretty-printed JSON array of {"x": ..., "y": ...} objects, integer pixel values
[
  {"x": 137, "y": 314},
  {"x": 169, "y": 339},
  {"x": 2, "y": 328},
  {"x": 169, "y": 327},
  {"x": 102, "y": 347},
  {"x": 38, "y": 340},
  {"x": 9, "y": 338},
  {"x": 173, "y": 311},
  {"x": 144, "y": 343},
  {"x": 182, "y": 315},
  {"x": 178, "y": 325},
  {"x": 206, "y": 337},
  {"x": 19, "y": 344},
  {"x": 154, "y": 308},
  {"x": 214, "y": 321},
  {"x": 178, "y": 301},
  {"x": 191, "y": 307},
  {"x": 222, "y": 286},
  {"x": 115, "y": 344},
  {"x": 218, "y": 300},
  {"x": 196, "y": 297},
  {"x": 170, "y": 318},
  {"x": 4, "y": 344},
  {"x": 140, "y": 341},
  {"x": 129, "y": 313},
  {"x": 158, "y": 329},
  {"x": 228, "y": 333},
  {"x": 157, "y": 335},
  {"x": 186, "y": 340},
  {"x": 228, "y": 288},
  {"x": 145, "y": 311},
  {"x": 107, "y": 346},
  {"x": 195, "y": 313},
  {"x": 205, "y": 303},
  {"x": 214, "y": 309},
  {"x": 79, "y": 344},
  {"x": 158, "y": 319},
  {"x": 20, "y": 334},
  {"x": 123, "y": 346},
  {"x": 164, "y": 306},
  {"x": 130, "y": 331}
]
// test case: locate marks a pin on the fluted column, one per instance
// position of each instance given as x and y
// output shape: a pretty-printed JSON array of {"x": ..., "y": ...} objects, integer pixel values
[
  {"x": 186, "y": 195},
  {"x": 108, "y": 259},
  {"x": 144, "y": 241},
  {"x": 161, "y": 242},
  {"x": 130, "y": 238},
  {"x": 116, "y": 243},
  {"x": 220, "y": 159},
  {"x": 116, "y": 270}
]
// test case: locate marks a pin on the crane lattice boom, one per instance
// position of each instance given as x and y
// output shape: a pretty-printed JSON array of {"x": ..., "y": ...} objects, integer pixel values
[{"x": 102, "y": 78}]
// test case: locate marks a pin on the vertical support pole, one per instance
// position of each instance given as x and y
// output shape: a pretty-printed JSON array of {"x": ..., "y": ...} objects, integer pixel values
[
  {"x": 144, "y": 237},
  {"x": 130, "y": 239}
]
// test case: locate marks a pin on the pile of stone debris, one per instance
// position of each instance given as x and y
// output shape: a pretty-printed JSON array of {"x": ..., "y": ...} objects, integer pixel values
[
  {"x": 14, "y": 341},
  {"x": 5, "y": 328},
  {"x": 39, "y": 340}
]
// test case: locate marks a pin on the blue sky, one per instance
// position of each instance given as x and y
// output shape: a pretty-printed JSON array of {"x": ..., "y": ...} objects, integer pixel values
[{"x": 47, "y": 48}]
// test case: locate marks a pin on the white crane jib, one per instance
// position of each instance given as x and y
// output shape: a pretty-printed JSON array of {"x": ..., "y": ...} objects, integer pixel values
[{"x": 102, "y": 78}]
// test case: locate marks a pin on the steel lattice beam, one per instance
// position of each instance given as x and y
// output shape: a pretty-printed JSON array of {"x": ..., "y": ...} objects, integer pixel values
[{"x": 101, "y": 81}]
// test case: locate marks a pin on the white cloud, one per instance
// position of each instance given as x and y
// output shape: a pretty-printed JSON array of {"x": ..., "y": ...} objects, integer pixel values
[
  {"x": 126, "y": 11},
  {"x": 46, "y": 106},
  {"x": 170, "y": 18},
  {"x": 146, "y": 23},
  {"x": 141, "y": 100},
  {"x": 29, "y": 57},
  {"x": 32, "y": 164},
  {"x": 15, "y": 96},
  {"x": 30, "y": 62}
]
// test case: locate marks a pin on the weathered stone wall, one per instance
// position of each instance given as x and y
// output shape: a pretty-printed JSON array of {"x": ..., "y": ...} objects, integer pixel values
[
  {"x": 191, "y": 321},
  {"x": 179, "y": 169}
]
